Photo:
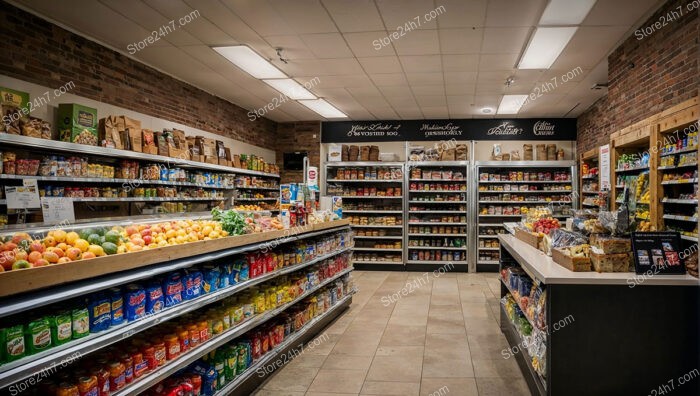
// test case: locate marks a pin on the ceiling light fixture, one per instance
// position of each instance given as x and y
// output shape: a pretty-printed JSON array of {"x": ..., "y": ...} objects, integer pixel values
[
  {"x": 545, "y": 46},
  {"x": 487, "y": 110},
  {"x": 566, "y": 12},
  {"x": 511, "y": 104},
  {"x": 249, "y": 61},
  {"x": 290, "y": 88},
  {"x": 323, "y": 108}
]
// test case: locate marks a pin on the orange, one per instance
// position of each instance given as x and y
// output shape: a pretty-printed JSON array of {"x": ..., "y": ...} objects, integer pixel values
[
  {"x": 97, "y": 250},
  {"x": 51, "y": 257},
  {"x": 60, "y": 236},
  {"x": 50, "y": 241},
  {"x": 71, "y": 237},
  {"x": 34, "y": 256},
  {"x": 63, "y": 246},
  {"x": 74, "y": 253},
  {"x": 207, "y": 230},
  {"x": 64, "y": 260},
  {"x": 82, "y": 244},
  {"x": 88, "y": 255}
]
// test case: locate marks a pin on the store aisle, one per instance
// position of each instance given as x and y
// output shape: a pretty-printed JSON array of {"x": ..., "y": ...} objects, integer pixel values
[{"x": 439, "y": 337}]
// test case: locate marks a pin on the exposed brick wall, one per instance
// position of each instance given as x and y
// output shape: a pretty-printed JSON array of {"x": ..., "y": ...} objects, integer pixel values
[
  {"x": 298, "y": 136},
  {"x": 39, "y": 52},
  {"x": 665, "y": 73}
]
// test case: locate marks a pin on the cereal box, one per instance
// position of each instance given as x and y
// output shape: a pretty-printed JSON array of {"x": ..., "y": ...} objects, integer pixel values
[{"x": 77, "y": 124}]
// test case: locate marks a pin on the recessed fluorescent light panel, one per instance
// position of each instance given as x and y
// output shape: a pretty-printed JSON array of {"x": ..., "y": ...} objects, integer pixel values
[
  {"x": 566, "y": 12},
  {"x": 250, "y": 62},
  {"x": 511, "y": 104},
  {"x": 323, "y": 108},
  {"x": 545, "y": 47},
  {"x": 290, "y": 88}
]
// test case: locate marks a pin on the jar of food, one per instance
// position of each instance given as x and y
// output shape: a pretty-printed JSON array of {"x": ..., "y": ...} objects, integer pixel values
[
  {"x": 172, "y": 346},
  {"x": 67, "y": 389},
  {"x": 116, "y": 376},
  {"x": 160, "y": 352}
]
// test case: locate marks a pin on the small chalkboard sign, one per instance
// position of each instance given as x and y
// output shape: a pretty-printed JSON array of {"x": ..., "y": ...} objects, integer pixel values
[{"x": 658, "y": 252}]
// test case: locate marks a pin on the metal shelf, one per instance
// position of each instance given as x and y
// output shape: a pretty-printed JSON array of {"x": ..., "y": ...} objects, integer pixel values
[
  {"x": 525, "y": 192},
  {"x": 436, "y": 262},
  {"x": 489, "y": 249},
  {"x": 436, "y": 248},
  {"x": 30, "y": 365},
  {"x": 378, "y": 262},
  {"x": 637, "y": 169},
  {"x": 378, "y": 237},
  {"x": 36, "y": 144},
  {"x": 527, "y": 164},
  {"x": 524, "y": 202},
  {"x": 372, "y": 212},
  {"x": 376, "y": 249},
  {"x": 681, "y": 181},
  {"x": 590, "y": 192},
  {"x": 438, "y": 202},
  {"x": 488, "y": 262},
  {"x": 502, "y": 215},
  {"x": 437, "y": 211},
  {"x": 438, "y": 235},
  {"x": 488, "y": 236},
  {"x": 438, "y": 191},
  {"x": 525, "y": 182},
  {"x": 410, "y": 223},
  {"x": 437, "y": 164},
  {"x": 131, "y": 182},
  {"x": 689, "y": 238},
  {"x": 256, "y": 199},
  {"x": 364, "y": 181},
  {"x": 671, "y": 167},
  {"x": 257, "y": 188},
  {"x": 172, "y": 366},
  {"x": 680, "y": 201},
  {"x": 589, "y": 177},
  {"x": 134, "y": 199},
  {"x": 692, "y": 219},
  {"x": 368, "y": 197},
  {"x": 340, "y": 164},
  {"x": 438, "y": 180},
  {"x": 257, "y": 365},
  {"x": 376, "y": 226},
  {"x": 685, "y": 150}
]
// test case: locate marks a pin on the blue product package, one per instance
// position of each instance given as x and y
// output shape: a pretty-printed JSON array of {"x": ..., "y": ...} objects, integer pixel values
[
  {"x": 225, "y": 277},
  {"x": 244, "y": 275},
  {"x": 155, "y": 302},
  {"x": 134, "y": 302},
  {"x": 172, "y": 289},
  {"x": 211, "y": 276},
  {"x": 209, "y": 377},
  {"x": 293, "y": 189},
  {"x": 117, "y": 300},
  {"x": 191, "y": 285},
  {"x": 100, "y": 309}
]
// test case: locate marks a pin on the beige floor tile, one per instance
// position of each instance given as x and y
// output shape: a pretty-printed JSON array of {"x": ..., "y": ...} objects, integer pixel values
[
  {"x": 488, "y": 347},
  {"x": 399, "y": 369},
  {"x": 502, "y": 387},
  {"x": 435, "y": 341},
  {"x": 323, "y": 346},
  {"x": 347, "y": 362},
  {"x": 356, "y": 347},
  {"x": 448, "y": 387},
  {"x": 437, "y": 365},
  {"x": 445, "y": 300},
  {"x": 329, "y": 394},
  {"x": 403, "y": 335},
  {"x": 338, "y": 381},
  {"x": 408, "y": 320},
  {"x": 339, "y": 325},
  {"x": 476, "y": 310},
  {"x": 390, "y": 388},
  {"x": 291, "y": 379},
  {"x": 482, "y": 326},
  {"x": 446, "y": 326},
  {"x": 411, "y": 352},
  {"x": 265, "y": 392},
  {"x": 501, "y": 368},
  {"x": 307, "y": 360}
]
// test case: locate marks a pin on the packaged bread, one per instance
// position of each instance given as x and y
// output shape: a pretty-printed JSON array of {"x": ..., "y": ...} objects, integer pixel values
[
  {"x": 31, "y": 127},
  {"x": 364, "y": 153},
  {"x": 611, "y": 245},
  {"x": 462, "y": 152},
  {"x": 353, "y": 153}
]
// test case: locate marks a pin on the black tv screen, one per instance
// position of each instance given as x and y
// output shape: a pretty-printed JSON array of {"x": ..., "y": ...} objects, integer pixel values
[{"x": 294, "y": 161}]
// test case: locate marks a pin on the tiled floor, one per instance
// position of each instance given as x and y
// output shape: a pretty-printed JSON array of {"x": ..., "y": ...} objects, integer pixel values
[{"x": 441, "y": 338}]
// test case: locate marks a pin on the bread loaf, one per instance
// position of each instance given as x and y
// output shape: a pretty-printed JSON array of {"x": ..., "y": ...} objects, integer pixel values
[{"x": 527, "y": 152}]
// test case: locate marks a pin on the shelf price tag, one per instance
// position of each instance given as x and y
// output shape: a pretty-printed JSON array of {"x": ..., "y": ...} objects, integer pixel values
[
  {"x": 57, "y": 210},
  {"x": 25, "y": 196}
]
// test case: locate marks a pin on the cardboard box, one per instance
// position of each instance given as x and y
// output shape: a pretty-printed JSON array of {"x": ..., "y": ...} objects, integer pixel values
[
  {"x": 77, "y": 124},
  {"x": 224, "y": 162},
  {"x": 162, "y": 143},
  {"x": 109, "y": 134},
  {"x": 228, "y": 154},
  {"x": 207, "y": 147},
  {"x": 236, "y": 161},
  {"x": 148, "y": 141},
  {"x": 178, "y": 153},
  {"x": 211, "y": 159}
]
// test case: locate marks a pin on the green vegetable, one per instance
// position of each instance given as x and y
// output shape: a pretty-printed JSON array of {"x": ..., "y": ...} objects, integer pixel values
[{"x": 231, "y": 221}]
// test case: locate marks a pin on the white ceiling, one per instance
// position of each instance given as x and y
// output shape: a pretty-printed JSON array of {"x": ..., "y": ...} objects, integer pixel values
[{"x": 450, "y": 67}]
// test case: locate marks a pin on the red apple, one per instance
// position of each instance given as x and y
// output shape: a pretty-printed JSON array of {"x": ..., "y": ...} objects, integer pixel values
[
  {"x": 147, "y": 239},
  {"x": 37, "y": 246},
  {"x": 41, "y": 263},
  {"x": 9, "y": 246},
  {"x": 146, "y": 232}
]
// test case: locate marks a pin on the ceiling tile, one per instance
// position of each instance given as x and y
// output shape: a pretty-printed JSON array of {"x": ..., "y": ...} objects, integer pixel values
[
  {"x": 424, "y": 78},
  {"x": 384, "y": 113},
  {"x": 461, "y": 100},
  {"x": 396, "y": 91},
  {"x": 408, "y": 13},
  {"x": 418, "y": 42},
  {"x": 460, "y": 89},
  {"x": 367, "y": 44},
  {"x": 619, "y": 12},
  {"x": 260, "y": 16},
  {"x": 200, "y": 27},
  {"x": 381, "y": 64},
  {"x": 426, "y": 90},
  {"x": 431, "y": 100},
  {"x": 402, "y": 101},
  {"x": 146, "y": 17},
  {"x": 588, "y": 47},
  {"x": 460, "y": 13},
  {"x": 389, "y": 79},
  {"x": 410, "y": 113},
  {"x": 460, "y": 62},
  {"x": 511, "y": 13},
  {"x": 460, "y": 77},
  {"x": 504, "y": 40},
  {"x": 421, "y": 63},
  {"x": 352, "y": 80},
  {"x": 435, "y": 111},
  {"x": 224, "y": 18},
  {"x": 304, "y": 16},
  {"x": 497, "y": 61},
  {"x": 354, "y": 16},
  {"x": 294, "y": 47},
  {"x": 327, "y": 45},
  {"x": 364, "y": 92},
  {"x": 498, "y": 76},
  {"x": 460, "y": 41}
]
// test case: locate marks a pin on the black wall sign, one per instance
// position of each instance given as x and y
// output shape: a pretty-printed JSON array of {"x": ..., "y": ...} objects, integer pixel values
[
  {"x": 472, "y": 129},
  {"x": 658, "y": 253}
]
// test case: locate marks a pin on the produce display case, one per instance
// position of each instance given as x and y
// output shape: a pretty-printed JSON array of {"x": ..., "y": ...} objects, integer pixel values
[
  {"x": 678, "y": 177},
  {"x": 506, "y": 195},
  {"x": 437, "y": 224},
  {"x": 373, "y": 201},
  {"x": 106, "y": 182},
  {"x": 590, "y": 187},
  {"x": 256, "y": 266}
]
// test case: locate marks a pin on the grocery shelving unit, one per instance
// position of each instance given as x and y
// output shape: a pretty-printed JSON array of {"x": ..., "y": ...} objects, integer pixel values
[
  {"x": 677, "y": 186},
  {"x": 224, "y": 189},
  {"x": 261, "y": 190},
  {"x": 589, "y": 186},
  {"x": 16, "y": 304},
  {"x": 437, "y": 203},
  {"x": 638, "y": 176},
  {"x": 495, "y": 205},
  {"x": 374, "y": 201}
]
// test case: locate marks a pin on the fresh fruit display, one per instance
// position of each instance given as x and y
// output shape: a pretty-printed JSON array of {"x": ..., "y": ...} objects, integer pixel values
[
  {"x": 252, "y": 208},
  {"x": 544, "y": 226}
]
